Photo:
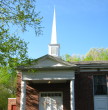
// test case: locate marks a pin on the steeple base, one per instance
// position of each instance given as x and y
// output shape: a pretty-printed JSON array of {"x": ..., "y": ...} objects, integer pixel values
[{"x": 54, "y": 50}]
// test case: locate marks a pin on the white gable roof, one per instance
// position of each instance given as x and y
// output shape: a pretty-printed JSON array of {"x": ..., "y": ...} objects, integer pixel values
[
  {"x": 50, "y": 61},
  {"x": 47, "y": 63}
]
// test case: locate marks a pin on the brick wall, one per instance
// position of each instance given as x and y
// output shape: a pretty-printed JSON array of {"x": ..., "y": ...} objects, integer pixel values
[
  {"x": 84, "y": 99},
  {"x": 18, "y": 92},
  {"x": 33, "y": 89},
  {"x": 84, "y": 91},
  {"x": 11, "y": 102}
]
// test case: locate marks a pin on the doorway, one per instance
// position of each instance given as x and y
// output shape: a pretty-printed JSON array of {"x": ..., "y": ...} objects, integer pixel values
[{"x": 51, "y": 101}]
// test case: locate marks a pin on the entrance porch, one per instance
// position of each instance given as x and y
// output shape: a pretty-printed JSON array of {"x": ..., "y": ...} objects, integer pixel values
[{"x": 37, "y": 94}]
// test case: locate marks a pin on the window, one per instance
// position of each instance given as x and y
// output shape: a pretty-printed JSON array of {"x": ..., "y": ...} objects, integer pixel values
[
  {"x": 100, "y": 85},
  {"x": 51, "y": 94}
]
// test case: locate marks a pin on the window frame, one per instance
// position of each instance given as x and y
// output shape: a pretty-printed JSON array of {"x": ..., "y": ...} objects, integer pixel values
[{"x": 106, "y": 81}]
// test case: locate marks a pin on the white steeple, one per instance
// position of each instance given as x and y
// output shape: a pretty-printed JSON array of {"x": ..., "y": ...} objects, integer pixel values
[
  {"x": 54, "y": 48},
  {"x": 54, "y": 34}
]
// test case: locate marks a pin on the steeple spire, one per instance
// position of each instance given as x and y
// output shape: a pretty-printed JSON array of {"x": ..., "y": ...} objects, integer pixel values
[
  {"x": 54, "y": 47},
  {"x": 54, "y": 33}
]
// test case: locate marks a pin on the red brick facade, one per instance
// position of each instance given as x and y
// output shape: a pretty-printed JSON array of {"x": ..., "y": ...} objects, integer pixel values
[
  {"x": 11, "y": 103},
  {"x": 84, "y": 99},
  {"x": 18, "y": 91},
  {"x": 83, "y": 92},
  {"x": 33, "y": 90}
]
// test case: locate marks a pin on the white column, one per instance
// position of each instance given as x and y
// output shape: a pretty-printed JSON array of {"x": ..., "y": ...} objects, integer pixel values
[
  {"x": 23, "y": 95},
  {"x": 72, "y": 106}
]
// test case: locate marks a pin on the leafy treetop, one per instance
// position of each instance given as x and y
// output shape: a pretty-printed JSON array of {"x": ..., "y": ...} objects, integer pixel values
[{"x": 94, "y": 54}]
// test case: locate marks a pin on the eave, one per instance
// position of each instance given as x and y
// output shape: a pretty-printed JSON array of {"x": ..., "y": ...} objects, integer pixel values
[{"x": 48, "y": 68}]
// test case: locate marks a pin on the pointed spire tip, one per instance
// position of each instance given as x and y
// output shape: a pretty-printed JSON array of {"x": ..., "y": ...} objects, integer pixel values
[{"x": 54, "y": 33}]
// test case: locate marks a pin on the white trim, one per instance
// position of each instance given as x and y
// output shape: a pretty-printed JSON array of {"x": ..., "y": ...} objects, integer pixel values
[
  {"x": 11, "y": 98},
  {"x": 48, "y": 75},
  {"x": 30, "y": 79},
  {"x": 103, "y": 69},
  {"x": 72, "y": 95},
  {"x": 23, "y": 95}
]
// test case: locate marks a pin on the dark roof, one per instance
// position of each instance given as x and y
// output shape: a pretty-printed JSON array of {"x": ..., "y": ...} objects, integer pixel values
[
  {"x": 47, "y": 68},
  {"x": 90, "y": 62}
]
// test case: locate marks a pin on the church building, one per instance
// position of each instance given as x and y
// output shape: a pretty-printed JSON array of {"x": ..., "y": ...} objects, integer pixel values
[{"x": 51, "y": 83}]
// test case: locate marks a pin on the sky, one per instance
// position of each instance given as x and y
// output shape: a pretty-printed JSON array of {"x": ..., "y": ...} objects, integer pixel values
[{"x": 81, "y": 25}]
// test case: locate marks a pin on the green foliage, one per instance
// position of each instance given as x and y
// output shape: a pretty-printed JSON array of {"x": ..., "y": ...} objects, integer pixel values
[
  {"x": 97, "y": 54},
  {"x": 18, "y": 15},
  {"x": 12, "y": 50},
  {"x": 94, "y": 54},
  {"x": 7, "y": 85},
  {"x": 3, "y": 99},
  {"x": 72, "y": 58},
  {"x": 12, "y": 53},
  {"x": 67, "y": 57}
]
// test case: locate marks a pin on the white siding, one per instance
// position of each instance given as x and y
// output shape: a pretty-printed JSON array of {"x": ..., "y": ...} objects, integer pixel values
[
  {"x": 101, "y": 103},
  {"x": 49, "y": 75},
  {"x": 47, "y": 63}
]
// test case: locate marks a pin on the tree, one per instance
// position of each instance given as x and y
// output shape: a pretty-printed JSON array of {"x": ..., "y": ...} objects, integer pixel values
[
  {"x": 7, "y": 86},
  {"x": 19, "y": 14},
  {"x": 12, "y": 50},
  {"x": 97, "y": 54},
  {"x": 94, "y": 54},
  {"x": 72, "y": 58},
  {"x": 12, "y": 53}
]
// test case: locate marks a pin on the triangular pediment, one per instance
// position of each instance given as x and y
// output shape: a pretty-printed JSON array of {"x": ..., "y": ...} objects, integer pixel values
[{"x": 49, "y": 61}]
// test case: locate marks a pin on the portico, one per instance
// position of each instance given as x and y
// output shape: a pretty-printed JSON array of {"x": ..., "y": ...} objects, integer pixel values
[{"x": 60, "y": 74}]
